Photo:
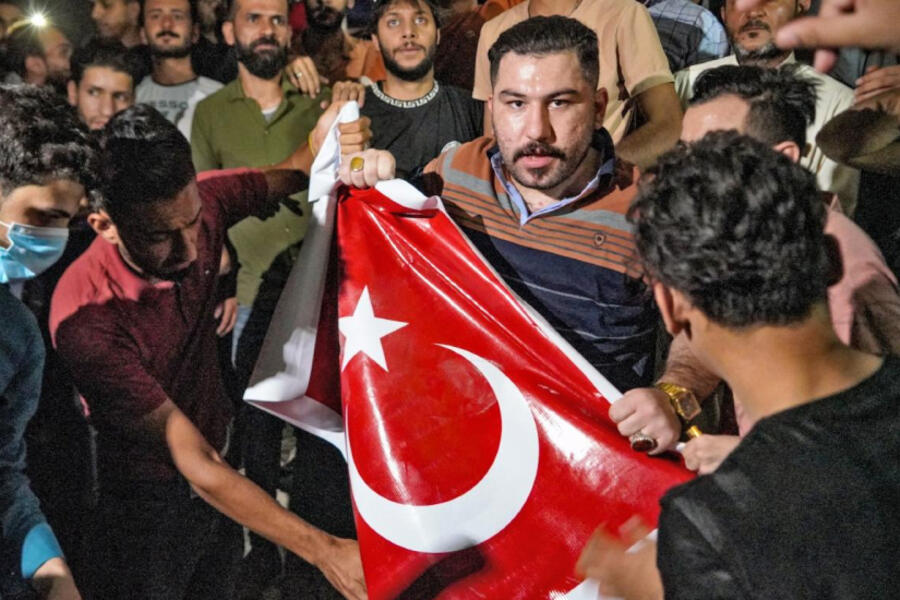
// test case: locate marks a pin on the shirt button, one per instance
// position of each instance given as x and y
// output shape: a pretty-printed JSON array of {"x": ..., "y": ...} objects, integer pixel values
[{"x": 599, "y": 239}]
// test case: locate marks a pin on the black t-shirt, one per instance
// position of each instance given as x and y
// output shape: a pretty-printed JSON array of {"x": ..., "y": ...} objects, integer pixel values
[
  {"x": 807, "y": 506},
  {"x": 417, "y": 134}
]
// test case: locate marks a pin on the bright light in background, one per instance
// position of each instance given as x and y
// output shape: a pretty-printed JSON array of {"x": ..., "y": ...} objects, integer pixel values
[{"x": 38, "y": 19}]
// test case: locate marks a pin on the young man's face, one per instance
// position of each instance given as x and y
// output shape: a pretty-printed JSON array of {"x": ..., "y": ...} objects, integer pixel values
[
  {"x": 407, "y": 36},
  {"x": 162, "y": 240},
  {"x": 752, "y": 32},
  {"x": 49, "y": 205},
  {"x": 102, "y": 93},
  {"x": 544, "y": 114},
  {"x": 168, "y": 28},
  {"x": 114, "y": 18},
  {"x": 261, "y": 34}
]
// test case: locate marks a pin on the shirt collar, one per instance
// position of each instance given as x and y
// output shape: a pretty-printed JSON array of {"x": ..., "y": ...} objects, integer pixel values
[
  {"x": 602, "y": 142},
  {"x": 235, "y": 91}
]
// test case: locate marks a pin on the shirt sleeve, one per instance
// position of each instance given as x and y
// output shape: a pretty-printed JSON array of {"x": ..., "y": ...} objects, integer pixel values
[
  {"x": 691, "y": 568},
  {"x": 641, "y": 57},
  {"x": 482, "y": 88},
  {"x": 21, "y": 365},
  {"x": 238, "y": 194},
  {"x": 107, "y": 369},
  {"x": 201, "y": 149}
]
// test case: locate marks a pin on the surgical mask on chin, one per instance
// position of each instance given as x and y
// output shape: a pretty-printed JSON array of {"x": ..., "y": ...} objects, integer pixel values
[{"x": 32, "y": 250}]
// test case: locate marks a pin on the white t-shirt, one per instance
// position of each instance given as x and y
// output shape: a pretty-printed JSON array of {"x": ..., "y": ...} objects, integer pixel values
[{"x": 176, "y": 102}]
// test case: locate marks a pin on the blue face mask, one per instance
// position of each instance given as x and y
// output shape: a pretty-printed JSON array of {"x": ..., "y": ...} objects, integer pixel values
[{"x": 32, "y": 250}]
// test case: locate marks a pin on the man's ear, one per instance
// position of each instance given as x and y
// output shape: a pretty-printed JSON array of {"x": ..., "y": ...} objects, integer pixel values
[
  {"x": 673, "y": 307},
  {"x": 103, "y": 226},
  {"x": 375, "y": 41},
  {"x": 228, "y": 32},
  {"x": 789, "y": 149},
  {"x": 35, "y": 70},
  {"x": 802, "y": 7},
  {"x": 601, "y": 99},
  {"x": 144, "y": 39},
  {"x": 72, "y": 89},
  {"x": 195, "y": 33}
]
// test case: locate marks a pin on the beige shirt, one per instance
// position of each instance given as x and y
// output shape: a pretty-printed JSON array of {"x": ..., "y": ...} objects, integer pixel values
[
  {"x": 833, "y": 97},
  {"x": 631, "y": 56}
]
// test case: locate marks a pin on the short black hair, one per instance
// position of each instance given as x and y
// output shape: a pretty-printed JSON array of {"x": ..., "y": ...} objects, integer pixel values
[
  {"x": 381, "y": 7},
  {"x": 782, "y": 103},
  {"x": 110, "y": 53},
  {"x": 549, "y": 35},
  {"x": 735, "y": 226},
  {"x": 21, "y": 41},
  {"x": 42, "y": 140},
  {"x": 145, "y": 159},
  {"x": 192, "y": 5}
]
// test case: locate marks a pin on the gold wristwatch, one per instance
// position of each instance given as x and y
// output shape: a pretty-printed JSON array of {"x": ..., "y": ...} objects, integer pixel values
[{"x": 685, "y": 404}]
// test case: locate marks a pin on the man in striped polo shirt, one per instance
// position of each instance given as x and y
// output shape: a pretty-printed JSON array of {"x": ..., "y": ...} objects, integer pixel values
[{"x": 544, "y": 201}]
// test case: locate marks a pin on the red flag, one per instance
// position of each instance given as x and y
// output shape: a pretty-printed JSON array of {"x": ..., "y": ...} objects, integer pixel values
[{"x": 480, "y": 451}]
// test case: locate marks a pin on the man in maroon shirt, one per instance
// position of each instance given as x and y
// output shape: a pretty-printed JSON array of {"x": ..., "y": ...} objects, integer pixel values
[{"x": 133, "y": 319}]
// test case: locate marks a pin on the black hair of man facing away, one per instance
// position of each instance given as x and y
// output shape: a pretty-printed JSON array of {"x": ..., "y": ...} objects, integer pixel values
[
  {"x": 730, "y": 233},
  {"x": 782, "y": 103}
]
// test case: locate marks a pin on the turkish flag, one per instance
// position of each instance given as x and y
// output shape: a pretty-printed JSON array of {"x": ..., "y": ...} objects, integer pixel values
[{"x": 480, "y": 451}]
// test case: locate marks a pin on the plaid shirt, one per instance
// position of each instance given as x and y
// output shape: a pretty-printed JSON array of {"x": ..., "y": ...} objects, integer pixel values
[{"x": 690, "y": 34}]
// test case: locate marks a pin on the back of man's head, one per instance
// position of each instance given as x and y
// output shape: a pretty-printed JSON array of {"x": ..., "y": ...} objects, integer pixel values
[
  {"x": 109, "y": 53},
  {"x": 540, "y": 36},
  {"x": 145, "y": 159},
  {"x": 41, "y": 140},
  {"x": 781, "y": 103},
  {"x": 737, "y": 228}
]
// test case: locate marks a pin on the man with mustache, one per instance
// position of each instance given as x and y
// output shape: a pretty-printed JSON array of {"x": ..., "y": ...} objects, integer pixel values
[
  {"x": 170, "y": 28},
  {"x": 336, "y": 55},
  {"x": 544, "y": 201},
  {"x": 413, "y": 115},
  {"x": 752, "y": 35}
]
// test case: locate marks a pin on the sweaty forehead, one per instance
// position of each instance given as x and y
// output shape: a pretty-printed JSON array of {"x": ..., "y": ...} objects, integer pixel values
[
  {"x": 725, "y": 112},
  {"x": 538, "y": 73}
]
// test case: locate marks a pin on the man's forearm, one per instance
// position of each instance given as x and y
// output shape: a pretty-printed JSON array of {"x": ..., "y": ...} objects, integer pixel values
[
  {"x": 686, "y": 370},
  {"x": 662, "y": 112},
  {"x": 283, "y": 182}
]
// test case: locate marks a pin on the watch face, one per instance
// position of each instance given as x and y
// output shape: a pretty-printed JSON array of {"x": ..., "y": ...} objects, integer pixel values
[{"x": 686, "y": 405}]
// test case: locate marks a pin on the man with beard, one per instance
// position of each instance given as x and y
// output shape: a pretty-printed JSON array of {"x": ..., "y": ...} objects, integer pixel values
[
  {"x": 752, "y": 35},
  {"x": 37, "y": 53},
  {"x": 544, "y": 202},
  {"x": 258, "y": 119},
  {"x": 170, "y": 28},
  {"x": 134, "y": 321},
  {"x": 336, "y": 55},
  {"x": 118, "y": 19},
  {"x": 413, "y": 116}
]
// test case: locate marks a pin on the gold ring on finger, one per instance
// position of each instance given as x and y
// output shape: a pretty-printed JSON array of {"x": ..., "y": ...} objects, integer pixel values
[{"x": 357, "y": 163}]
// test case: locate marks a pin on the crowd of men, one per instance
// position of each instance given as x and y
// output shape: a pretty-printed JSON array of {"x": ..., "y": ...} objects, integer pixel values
[{"x": 680, "y": 189}]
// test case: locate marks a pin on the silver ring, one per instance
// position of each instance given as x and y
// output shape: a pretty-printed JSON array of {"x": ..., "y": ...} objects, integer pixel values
[
  {"x": 642, "y": 442},
  {"x": 298, "y": 74}
]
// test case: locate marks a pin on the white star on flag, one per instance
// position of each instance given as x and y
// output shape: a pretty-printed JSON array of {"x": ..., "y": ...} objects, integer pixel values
[{"x": 363, "y": 332}]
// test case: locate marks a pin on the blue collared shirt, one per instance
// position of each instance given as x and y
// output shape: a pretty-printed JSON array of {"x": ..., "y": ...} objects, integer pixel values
[{"x": 602, "y": 142}]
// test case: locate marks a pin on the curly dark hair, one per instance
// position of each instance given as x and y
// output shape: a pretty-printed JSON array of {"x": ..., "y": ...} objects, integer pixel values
[
  {"x": 736, "y": 227},
  {"x": 782, "y": 102},
  {"x": 145, "y": 159},
  {"x": 42, "y": 140},
  {"x": 549, "y": 35}
]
